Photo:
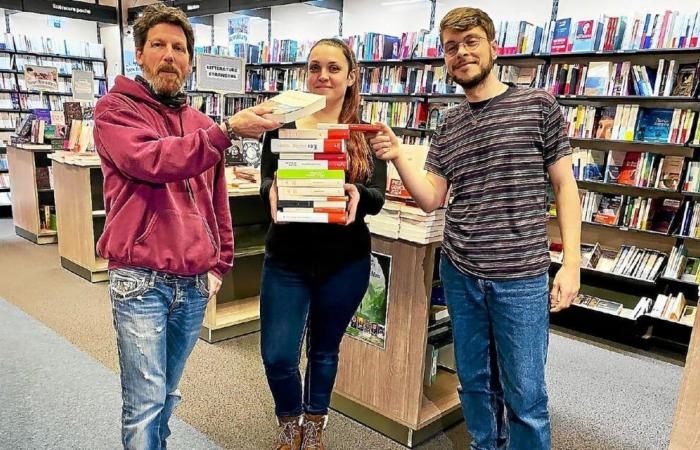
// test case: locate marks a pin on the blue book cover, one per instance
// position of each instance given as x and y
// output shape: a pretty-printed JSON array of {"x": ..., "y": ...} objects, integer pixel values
[
  {"x": 654, "y": 125},
  {"x": 583, "y": 41},
  {"x": 560, "y": 37},
  {"x": 42, "y": 114}
]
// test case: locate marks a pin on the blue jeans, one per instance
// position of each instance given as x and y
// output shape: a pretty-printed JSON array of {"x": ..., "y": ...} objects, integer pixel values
[
  {"x": 158, "y": 318},
  {"x": 500, "y": 330},
  {"x": 292, "y": 302}
]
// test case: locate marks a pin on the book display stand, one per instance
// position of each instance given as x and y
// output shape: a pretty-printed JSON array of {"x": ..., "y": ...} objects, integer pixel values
[
  {"x": 80, "y": 215},
  {"x": 27, "y": 197}
]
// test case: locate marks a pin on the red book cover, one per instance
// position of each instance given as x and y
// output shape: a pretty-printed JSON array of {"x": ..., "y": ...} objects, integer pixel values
[
  {"x": 337, "y": 165},
  {"x": 333, "y": 145},
  {"x": 338, "y": 217},
  {"x": 629, "y": 169},
  {"x": 334, "y": 211},
  {"x": 330, "y": 157}
]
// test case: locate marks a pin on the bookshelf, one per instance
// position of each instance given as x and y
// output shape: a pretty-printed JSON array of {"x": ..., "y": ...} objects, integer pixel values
[
  {"x": 80, "y": 213},
  {"x": 383, "y": 388},
  {"x": 27, "y": 197},
  {"x": 235, "y": 310}
]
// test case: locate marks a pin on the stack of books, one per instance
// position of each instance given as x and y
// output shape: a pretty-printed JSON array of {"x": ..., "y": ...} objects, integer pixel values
[
  {"x": 311, "y": 172},
  {"x": 311, "y": 175},
  {"x": 388, "y": 222},
  {"x": 419, "y": 226}
]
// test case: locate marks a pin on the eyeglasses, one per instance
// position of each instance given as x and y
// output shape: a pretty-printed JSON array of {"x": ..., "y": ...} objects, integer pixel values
[{"x": 471, "y": 42}]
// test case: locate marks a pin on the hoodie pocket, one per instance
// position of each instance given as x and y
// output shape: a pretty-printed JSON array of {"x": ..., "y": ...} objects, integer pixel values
[{"x": 177, "y": 242}]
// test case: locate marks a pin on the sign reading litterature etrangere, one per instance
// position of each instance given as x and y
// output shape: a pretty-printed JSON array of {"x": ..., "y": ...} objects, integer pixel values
[
  {"x": 41, "y": 78},
  {"x": 220, "y": 74}
]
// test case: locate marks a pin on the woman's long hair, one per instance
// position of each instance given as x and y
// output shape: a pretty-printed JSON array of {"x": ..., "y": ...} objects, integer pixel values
[{"x": 360, "y": 165}]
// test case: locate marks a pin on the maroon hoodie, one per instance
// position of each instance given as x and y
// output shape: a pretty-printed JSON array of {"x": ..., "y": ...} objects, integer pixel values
[{"x": 164, "y": 185}]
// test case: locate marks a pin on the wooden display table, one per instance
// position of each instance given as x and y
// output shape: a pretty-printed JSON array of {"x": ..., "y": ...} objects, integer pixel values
[
  {"x": 383, "y": 388},
  {"x": 23, "y": 161},
  {"x": 235, "y": 311},
  {"x": 80, "y": 213}
]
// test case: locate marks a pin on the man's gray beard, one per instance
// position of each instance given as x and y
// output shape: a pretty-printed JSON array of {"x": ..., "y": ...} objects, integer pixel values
[{"x": 159, "y": 89}]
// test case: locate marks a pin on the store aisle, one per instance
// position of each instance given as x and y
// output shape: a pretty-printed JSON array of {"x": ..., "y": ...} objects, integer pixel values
[
  {"x": 600, "y": 399},
  {"x": 55, "y": 396}
]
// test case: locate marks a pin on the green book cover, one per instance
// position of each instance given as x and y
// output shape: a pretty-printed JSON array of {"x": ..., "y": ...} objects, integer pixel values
[{"x": 310, "y": 173}]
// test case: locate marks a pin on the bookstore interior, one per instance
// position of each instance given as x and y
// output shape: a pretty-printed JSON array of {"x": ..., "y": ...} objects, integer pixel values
[{"x": 626, "y": 76}]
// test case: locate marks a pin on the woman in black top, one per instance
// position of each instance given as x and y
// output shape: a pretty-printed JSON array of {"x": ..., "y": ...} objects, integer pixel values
[{"x": 315, "y": 275}]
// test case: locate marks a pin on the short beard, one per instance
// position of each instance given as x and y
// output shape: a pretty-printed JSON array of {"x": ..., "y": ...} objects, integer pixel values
[
  {"x": 161, "y": 86},
  {"x": 477, "y": 80}
]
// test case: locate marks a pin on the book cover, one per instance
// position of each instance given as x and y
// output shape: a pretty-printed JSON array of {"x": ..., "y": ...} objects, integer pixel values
[
  {"x": 685, "y": 79},
  {"x": 310, "y": 173},
  {"x": 628, "y": 172},
  {"x": 308, "y": 146},
  {"x": 584, "y": 39},
  {"x": 616, "y": 160},
  {"x": 310, "y": 182},
  {"x": 560, "y": 37},
  {"x": 314, "y": 156},
  {"x": 608, "y": 210},
  {"x": 607, "y": 261},
  {"x": 664, "y": 210},
  {"x": 292, "y": 105},
  {"x": 312, "y": 164},
  {"x": 688, "y": 316},
  {"x": 604, "y": 121},
  {"x": 598, "y": 77},
  {"x": 671, "y": 172},
  {"x": 290, "y": 133},
  {"x": 654, "y": 125},
  {"x": 334, "y": 218},
  {"x": 608, "y": 307},
  {"x": 594, "y": 167}
]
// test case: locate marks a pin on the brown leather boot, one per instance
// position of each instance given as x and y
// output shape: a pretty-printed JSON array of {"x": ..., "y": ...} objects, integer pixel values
[
  {"x": 313, "y": 430},
  {"x": 290, "y": 433}
]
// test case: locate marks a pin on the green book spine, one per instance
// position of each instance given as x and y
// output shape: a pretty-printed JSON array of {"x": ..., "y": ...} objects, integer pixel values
[{"x": 310, "y": 173}]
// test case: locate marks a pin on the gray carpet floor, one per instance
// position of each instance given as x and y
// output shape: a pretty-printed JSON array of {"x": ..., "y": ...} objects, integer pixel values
[
  {"x": 599, "y": 399},
  {"x": 54, "y": 396}
]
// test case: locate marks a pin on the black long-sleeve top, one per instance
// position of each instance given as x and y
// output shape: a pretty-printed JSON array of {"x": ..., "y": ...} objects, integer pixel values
[{"x": 320, "y": 247}]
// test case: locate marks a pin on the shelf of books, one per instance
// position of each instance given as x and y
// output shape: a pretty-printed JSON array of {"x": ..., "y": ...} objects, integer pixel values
[
  {"x": 31, "y": 184},
  {"x": 235, "y": 310},
  {"x": 79, "y": 212}
]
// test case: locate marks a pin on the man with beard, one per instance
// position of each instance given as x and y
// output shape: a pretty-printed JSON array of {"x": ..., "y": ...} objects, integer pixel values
[
  {"x": 168, "y": 234},
  {"x": 493, "y": 150}
]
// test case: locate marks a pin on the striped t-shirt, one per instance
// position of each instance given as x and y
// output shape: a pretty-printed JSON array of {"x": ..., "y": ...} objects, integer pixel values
[{"x": 496, "y": 223}]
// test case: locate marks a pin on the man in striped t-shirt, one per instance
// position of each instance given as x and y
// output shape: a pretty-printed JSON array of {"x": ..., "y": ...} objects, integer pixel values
[{"x": 493, "y": 151}]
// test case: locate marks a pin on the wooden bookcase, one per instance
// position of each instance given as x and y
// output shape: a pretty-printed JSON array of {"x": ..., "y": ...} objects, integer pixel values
[
  {"x": 23, "y": 161},
  {"x": 236, "y": 309},
  {"x": 80, "y": 213},
  {"x": 383, "y": 388},
  {"x": 685, "y": 434}
]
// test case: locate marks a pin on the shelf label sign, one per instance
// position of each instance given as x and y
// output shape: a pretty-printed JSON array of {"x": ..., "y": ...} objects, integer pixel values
[
  {"x": 224, "y": 74},
  {"x": 41, "y": 78},
  {"x": 83, "y": 85}
]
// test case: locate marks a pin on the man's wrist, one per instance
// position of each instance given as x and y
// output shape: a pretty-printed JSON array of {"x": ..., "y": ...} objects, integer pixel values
[{"x": 228, "y": 129}]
